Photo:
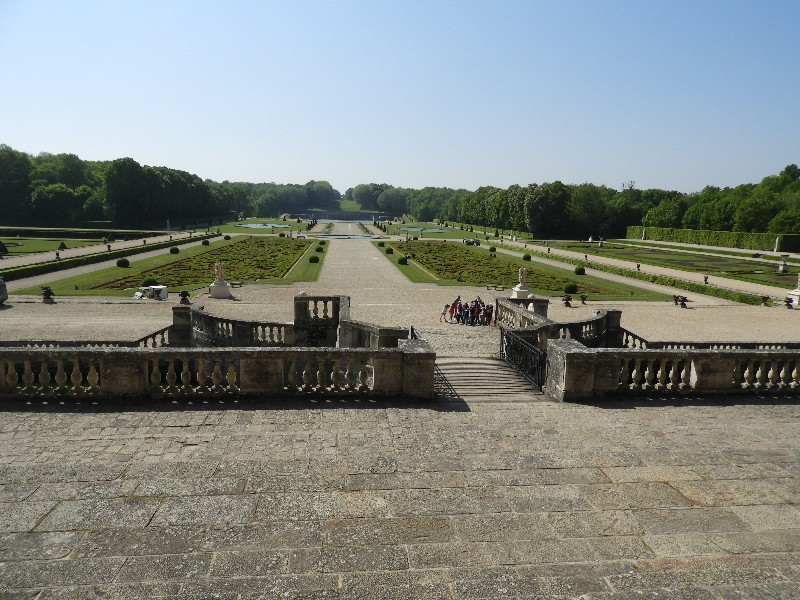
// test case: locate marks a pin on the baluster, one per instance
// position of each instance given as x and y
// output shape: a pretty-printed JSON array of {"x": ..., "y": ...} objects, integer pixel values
[
  {"x": 171, "y": 377},
  {"x": 795, "y": 382},
  {"x": 155, "y": 375},
  {"x": 737, "y": 374},
  {"x": 674, "y": 376},
  {"x": 349, "y": 375},
  {"x": 202, "y": 375},
  {"x": 747, "y": 377},
  {"x": 761, "y": 376},
  {"x": 93, "y": 378},
  {"x": 773, "y": 377},
  {"x": 44, "y": 379},
  {"x": 623, "y": 374},
  {"x": 231, "y": 377},
  {"x": 61, "y": 377},
  {"x": 27, "y": 377},
  {"x": 649, "y": 376},
  {"x": 636, "y": 376},
  {"x": 11, "y": 375},
  {"x": 307, "y": 374},
  {"x": 686, "y": 375},
  {"x": 785, "y": 375},
  {"x": 315, "y": 312},
  {"x": 335, "y": 375},
  {"x": 362, "y": 376},
  {"x": 320, "y": 373},
  {"x": 292, "y": 374},
  {"x": 661, "y": 376},
  {"x": 186, "y": 376},
  {"x": 77, "y": 377},
  {"x": 325, "y": 309},
  {"x": 216, "y": 377}
]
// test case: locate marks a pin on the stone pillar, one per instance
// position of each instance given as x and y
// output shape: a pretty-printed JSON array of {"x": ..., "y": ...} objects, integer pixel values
[
  {"x": 302, "y": 319},
  {"x": 418, "y": 368},
  {"x": 613, "y": 333},
  {"x": 242, "y": 334},
  {"x": 180, "y": 334},
  {"x": 261, "y": 375},
  {"x": 124, "y": 374},
  {"x": 387, "y": 374},
  {"x": 570, "y": 371}
]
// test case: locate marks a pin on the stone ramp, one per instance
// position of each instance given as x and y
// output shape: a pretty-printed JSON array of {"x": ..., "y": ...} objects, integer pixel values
[{"x": 482, "y": 379}]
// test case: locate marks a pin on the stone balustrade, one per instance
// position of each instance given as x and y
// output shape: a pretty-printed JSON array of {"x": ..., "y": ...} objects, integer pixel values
[
  {"x": 211, "y": 330},
  {"x": 405, "y": 371},
  {"x": 157, "y": 339},
  {"x": 575, "y": 372}
]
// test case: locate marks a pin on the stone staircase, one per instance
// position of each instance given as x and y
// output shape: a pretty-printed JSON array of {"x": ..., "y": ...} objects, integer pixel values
[{"x": 482, "y": 379}]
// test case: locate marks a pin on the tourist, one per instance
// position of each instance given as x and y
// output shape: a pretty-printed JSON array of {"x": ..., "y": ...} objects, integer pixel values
[{"x": 445, "y": 310}]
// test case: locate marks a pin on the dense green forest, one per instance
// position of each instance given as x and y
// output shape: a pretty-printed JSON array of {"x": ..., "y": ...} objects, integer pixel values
[{"x": 63, "y": 190}]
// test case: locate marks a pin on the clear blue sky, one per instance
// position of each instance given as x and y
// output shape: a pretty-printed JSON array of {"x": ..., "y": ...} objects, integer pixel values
[{"x": 671, "y": 94}]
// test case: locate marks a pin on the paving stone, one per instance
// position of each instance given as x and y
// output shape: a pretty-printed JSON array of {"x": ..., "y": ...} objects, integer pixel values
[
  {"x": 60, "y": 472},
  {"x": 553, "y": 476},
  {"x": 769, "y": 591},
  {"x": 620, "y": 547},
  {"x": 194, "y": 469},
  {"x": 543, "y": 498},
  {"x": 190, "y": 487},
  {"x": 136, "y": 591},
  {"x": 681, "y": 593},
  {"x": 313, "y": 482},
  {"x": 22, "y": 516},
  {"x": 142, "y": 541},
  {"x": 633, "y": 495},
  {"x": 762, "y": 541},
  {"x": 99, "y": 514},
  {"x": 683, "y": 544},
  {"x": 37, "y": 546},
  {"x": 718, "y": 577},
  {"x": 316, "y": 585},
  {"x": 249, "y": 563},
  {"x": 349, "y": 559},
  {"x": 502, "y": 526},
  {"x": 730, "y": 492},
  {"x": 51, "y": 573},
  {"x": 83, "y": 490},
  {"x": 276, "y": 534},
  {"x": 388, "y": 531},
  {"x": 17, "y": 492},
  {"x": 399, "y": 481},
  {"x": 20, "y": 595},
  {"x": 320, "y": 505},
  {"x": 741, "y": 471},
  {"x": 691, "y": 520},
  {"x": 657, "y": 473},
  {"x": 446, "y": 501},
  {"x": 164, "y": 567},
  {"x": 196, "y": 510},
  {"x": 594, "y": 523}
]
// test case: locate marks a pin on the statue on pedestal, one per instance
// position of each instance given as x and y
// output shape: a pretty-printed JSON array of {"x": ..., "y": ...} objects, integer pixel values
[
  {"x": 219, "y": 273},
  {"x": 523, "y": 273}
]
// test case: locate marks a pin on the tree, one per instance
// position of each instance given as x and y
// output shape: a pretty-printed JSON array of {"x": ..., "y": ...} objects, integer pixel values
[
  {"x": 393, "y": 201},
  {"x": 366, "y": 195},
  {"x": 125, "y": 190},
  {"x": 15, "y": 170}
]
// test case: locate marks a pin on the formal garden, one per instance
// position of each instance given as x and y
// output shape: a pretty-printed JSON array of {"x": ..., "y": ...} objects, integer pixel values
[
  {"x": 257, "y": 259},
  {"x": 452, "y": 264}
]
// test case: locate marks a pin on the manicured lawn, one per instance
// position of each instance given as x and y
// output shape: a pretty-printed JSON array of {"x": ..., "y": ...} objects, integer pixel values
[
  {"x": 231, "y": 226},
  {"x": 733, "y": 267},
  {"x": 453, "y": 264},
  {"x": 248, "y": 259},
  {"x": 21, "y": 245}
]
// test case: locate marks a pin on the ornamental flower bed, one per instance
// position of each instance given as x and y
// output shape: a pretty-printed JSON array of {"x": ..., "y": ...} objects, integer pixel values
[
  {"x": 247, "y": 260},
  {"x": 449, "y": 261}
]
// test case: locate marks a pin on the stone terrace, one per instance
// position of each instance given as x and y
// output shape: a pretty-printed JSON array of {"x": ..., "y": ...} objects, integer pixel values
[{"x": 439, "y": 500}]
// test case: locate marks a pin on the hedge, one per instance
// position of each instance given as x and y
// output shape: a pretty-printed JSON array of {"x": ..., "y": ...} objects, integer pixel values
[
  {"x": 90, "y": 259},
  {"x": 681, "y": 284},
  {"x": 788, "y": 242}
]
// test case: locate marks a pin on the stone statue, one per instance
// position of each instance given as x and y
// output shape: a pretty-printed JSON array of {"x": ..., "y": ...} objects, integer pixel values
[
  {"x": 523, "y": 273},
  {"x": 218, "y": 272}
]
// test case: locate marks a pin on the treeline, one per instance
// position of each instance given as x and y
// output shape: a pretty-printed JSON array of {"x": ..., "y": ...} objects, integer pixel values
[
  {"x": 62, "y": 190},
  {"x": 560, "y": 210}
]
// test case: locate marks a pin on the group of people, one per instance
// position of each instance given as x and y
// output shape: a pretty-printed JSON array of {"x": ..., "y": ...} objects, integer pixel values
[{"x": 476, "y": 312}]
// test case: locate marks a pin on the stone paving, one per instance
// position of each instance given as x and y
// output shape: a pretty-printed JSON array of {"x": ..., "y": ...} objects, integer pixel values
[{"x": 444, "y": 499}]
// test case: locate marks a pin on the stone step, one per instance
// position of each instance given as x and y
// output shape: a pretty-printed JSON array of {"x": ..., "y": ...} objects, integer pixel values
[{"x": 482, "y": 379}]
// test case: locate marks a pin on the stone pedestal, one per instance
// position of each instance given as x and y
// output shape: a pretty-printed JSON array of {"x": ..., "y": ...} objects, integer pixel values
[
  {"x": 795, "y": 296},
  {"x": 220, "y": 289},
  {"x": 520, "y": 291},
  {"x": 3, "y": 291}
]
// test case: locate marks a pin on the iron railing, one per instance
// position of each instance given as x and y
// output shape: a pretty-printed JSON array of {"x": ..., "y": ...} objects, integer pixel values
[{"x": 523, "y": 356}]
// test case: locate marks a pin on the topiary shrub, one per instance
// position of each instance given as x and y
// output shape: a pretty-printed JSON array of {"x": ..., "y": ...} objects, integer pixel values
[
  {"x": 492, "y": 249},
  {"x": 415, "y": 238},
  {"x": 123, "y": 262},
  {"x": 313, "y": 259},
  {"x": 174, "y": 250},
  {"x": 402, "y": 260},
  {"x": 381, "y": 244},
  {"x": 149, "y": 281},
  {"x": 526, "y": 257},
  {"x": 389, "y": 251},
  {"x": 570, "y": 287},
  {"x": 227, "y": 237},
  {"x": 323, "y": 242},
  {"x": 281, "y": 234},
  {"x": 580, "y": 270},
  {"x": 205, "y": 243},
  {"x": 319, "y": 249}
]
